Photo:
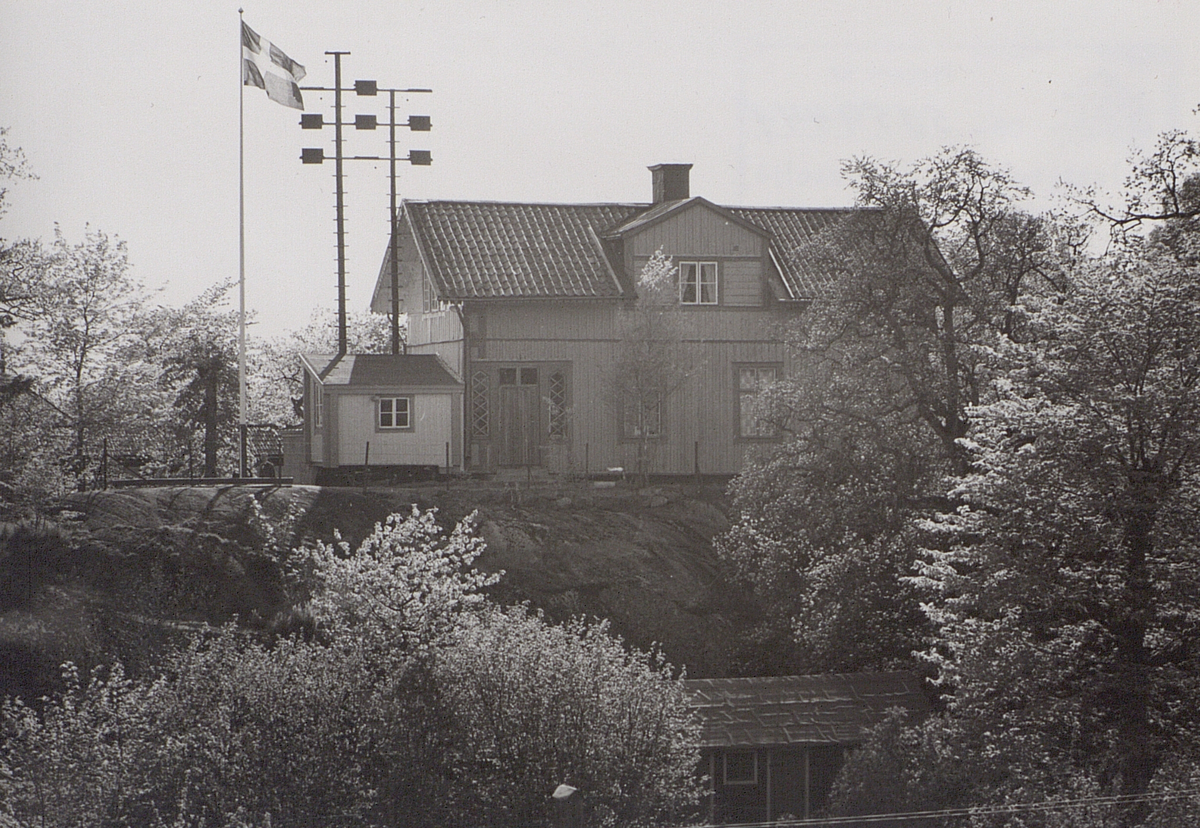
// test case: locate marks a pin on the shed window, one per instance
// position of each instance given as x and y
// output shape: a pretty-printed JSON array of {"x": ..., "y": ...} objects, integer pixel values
[
  {"x": 395, "y": 412},
  {"x": 741, "y": 767},
  {"x": 698, "y": 283}
]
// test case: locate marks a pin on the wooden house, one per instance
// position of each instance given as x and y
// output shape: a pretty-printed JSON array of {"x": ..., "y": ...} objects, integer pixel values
[
  {"x": 399, "y": 412},
  {"x": 772, "y": 747},
  {"x": 523, "y": 302}
]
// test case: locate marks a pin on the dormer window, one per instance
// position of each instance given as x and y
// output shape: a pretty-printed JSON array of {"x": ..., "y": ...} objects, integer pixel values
[{"x": 698, "y": 283}]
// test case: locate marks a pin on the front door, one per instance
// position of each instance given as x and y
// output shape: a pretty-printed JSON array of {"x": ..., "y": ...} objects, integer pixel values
[{"x": 520, "y": 417}]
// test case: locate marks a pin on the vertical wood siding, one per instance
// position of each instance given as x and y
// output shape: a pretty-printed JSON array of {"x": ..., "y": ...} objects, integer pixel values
[
  {"x": 700, "y": 417},
  {"x": 439, "y": 332},
  {"x": 698, "y": 230},
  {"x": 425, "y": 445},
  {"x": 411, "y": 273},
  {"x": 741, "y": 282}
]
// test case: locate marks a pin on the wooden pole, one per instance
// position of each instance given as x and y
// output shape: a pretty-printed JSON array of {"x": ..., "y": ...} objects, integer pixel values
[
  {"x": 339, "y": 199},
  {"x": 395, "y": 257},
  {"x": 241, "y": 255}
]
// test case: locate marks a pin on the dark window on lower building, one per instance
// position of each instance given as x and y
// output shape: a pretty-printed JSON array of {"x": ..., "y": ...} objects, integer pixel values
[{"x": 741, "y": 767}]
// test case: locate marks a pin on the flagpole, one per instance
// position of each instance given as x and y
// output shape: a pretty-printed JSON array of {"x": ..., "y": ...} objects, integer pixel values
[{"x": 241, "y": 255}]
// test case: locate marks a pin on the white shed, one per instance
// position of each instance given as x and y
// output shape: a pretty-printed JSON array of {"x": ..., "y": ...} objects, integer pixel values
[{"x": 386, "y": 411}]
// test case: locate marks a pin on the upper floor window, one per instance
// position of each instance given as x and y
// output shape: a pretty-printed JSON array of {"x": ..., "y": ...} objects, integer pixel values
[
  {"x": 395, "y": 412},
  {"x": 698, "y": 283}
]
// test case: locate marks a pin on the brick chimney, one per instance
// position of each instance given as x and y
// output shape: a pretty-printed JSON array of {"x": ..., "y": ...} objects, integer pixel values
[{"x": 670, "y": 182}]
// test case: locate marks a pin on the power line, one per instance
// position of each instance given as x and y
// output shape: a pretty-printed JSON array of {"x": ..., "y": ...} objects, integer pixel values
[{"x": 984, "y": 810}]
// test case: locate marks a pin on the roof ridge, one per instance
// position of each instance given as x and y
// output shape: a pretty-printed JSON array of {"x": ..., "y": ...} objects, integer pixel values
[
  {"x": 636, "y": 205},
  {"x": 641, "y": 205}
]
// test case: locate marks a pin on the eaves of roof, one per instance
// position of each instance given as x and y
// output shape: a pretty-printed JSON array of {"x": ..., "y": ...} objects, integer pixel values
[
  {"x": 380, "y": 371},
  {"x": 787, "y": 710}
]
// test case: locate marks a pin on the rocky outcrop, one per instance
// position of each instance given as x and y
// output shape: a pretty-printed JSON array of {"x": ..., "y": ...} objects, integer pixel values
[{"x": 125, "y": 569}]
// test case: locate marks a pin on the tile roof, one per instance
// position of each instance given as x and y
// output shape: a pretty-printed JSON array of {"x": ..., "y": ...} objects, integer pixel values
[
  {"x": 493, "y": 250},
  {"x": 368, "y": 370},
  {"x": 264, "y": 440},
  {"x": 790, "y": 228},
  {"x": 786, "y": 710},
  {"x": 498, "y": 250}
]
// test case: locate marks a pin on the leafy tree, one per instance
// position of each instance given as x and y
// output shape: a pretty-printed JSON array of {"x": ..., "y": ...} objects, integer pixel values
[
  {"x": 650, "y": 362},
  {"x": 277, "y": 381},
  {"x": 197, "y": 349},
  {"x": 499, "y": 706},
  {"x": 77, "y": 759},
  {"x": 267, "y": 731},
  {"x": 1069, "y": 579},
  {"x": 1161, "y": 187},
  {"x": 78, "y": 342},
  {"x": 378, "y": 718},
  {"x": 885, "y": 364},
  {"x": 404, "y": 587},
  {"x": 533, "y": 706},
  {"x": 231, "y": 730},
  {"x": 12, "y": 166},
  {"x": 16, "y": 290}
]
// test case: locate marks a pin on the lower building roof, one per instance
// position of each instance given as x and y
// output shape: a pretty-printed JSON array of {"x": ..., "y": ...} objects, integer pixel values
[
  {"x": 381, "y": 370},
  {"x": 789, "y": 710}
]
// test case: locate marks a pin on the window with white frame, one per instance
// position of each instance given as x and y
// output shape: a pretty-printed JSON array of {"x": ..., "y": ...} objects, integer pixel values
[
  {"x": 740, "y": 767},
  {"x": 698, "y": 283},
  {"x": 395, "y": 412},
  {"x": 752, "y": 380}
]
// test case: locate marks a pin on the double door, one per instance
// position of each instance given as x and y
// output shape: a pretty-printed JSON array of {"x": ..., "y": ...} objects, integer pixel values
[{"x": 519, "y": 417}]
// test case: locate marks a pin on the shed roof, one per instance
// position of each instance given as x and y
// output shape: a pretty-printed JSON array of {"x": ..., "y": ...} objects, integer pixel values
[
  {"x": 501, "y": 250},
  {"x": 380, "y": 370},
  {"x": 787, "y": 710}
]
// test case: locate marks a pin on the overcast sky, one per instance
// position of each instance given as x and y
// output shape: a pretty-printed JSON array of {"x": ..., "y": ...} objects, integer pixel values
[{"x": 128, "y": 112}]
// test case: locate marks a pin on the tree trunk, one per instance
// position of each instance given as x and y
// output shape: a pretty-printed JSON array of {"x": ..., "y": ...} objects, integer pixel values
[
  {"x": 80, "y": 430},
  {"x": 1139, "y": 753},
  {"x": 211, "y": 431}
]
